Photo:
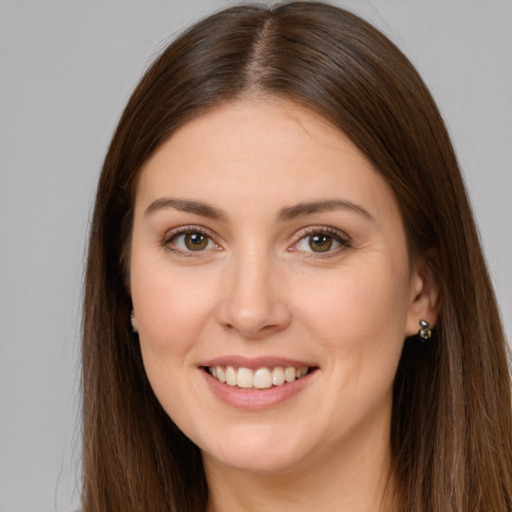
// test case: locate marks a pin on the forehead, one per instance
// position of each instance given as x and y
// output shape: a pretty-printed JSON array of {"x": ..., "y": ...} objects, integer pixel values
[
  {"x": 254, "y": 150},
  {"x": 253, "y": 129}
]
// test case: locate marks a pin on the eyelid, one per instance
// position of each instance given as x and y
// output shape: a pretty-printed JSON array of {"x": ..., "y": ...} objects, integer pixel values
[
  {"x": 341, "y": 237},
  {"x": 172, "y": 234}
]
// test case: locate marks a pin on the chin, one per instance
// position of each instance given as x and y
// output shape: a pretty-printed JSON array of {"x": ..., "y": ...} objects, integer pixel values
[
  {"x": 254, "y": 461},
  {"x": 253, "y": 451}
]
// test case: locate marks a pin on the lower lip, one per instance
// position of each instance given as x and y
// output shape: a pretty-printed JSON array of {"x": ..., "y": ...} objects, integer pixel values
[{"x": 253, "y": 399}]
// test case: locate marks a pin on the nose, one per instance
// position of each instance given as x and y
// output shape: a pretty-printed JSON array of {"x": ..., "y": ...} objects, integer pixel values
[{"x": 253, "y": 302}]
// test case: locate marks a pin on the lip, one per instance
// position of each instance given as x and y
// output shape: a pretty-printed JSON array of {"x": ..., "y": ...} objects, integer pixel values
[
  {"x": 254, "y": 363},
  {"x": 252, "y": 399}
]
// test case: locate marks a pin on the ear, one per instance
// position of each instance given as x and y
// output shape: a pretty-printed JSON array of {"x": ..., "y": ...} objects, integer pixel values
[
  {"x": 424, "y": 296},
  {"x": 133, "y": 321}
]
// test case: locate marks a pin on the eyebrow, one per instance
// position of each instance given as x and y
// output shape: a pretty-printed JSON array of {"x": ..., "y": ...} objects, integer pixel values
[
  {"x": 300, "y": 209},
  {"x": 287, "y": 213},
  {"x": 184, "y": 205}
]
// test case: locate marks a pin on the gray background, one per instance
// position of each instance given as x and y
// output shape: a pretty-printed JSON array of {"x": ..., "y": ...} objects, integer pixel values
[{"x": 66, "y": 70}]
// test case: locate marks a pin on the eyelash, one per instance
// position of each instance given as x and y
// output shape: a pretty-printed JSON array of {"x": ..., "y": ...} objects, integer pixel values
[
  {"x": 341, "y": 238},
  {"x": 171, "y": 237}
]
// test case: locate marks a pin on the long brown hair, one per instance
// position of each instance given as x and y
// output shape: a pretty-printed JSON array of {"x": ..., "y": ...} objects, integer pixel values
[{"x": 451, "y": 438}]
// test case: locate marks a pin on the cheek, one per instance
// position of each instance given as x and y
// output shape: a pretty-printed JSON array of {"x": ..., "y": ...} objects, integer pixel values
[
  {"x": 359, "y": 323},
  {"x": 171, "y": 308},
  {"x": 358, "y": 309}
]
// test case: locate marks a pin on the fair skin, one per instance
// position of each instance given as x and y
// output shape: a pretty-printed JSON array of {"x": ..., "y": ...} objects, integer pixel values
[{"x": 264, "y": 240}]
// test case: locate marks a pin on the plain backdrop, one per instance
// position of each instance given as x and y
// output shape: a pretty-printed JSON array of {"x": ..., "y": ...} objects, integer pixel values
[{"x": 66, "y": 71}]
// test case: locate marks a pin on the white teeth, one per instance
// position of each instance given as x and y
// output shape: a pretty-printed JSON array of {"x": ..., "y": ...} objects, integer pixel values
[
  {"x": 244, "y": 378},
  {"x": 289, "y": 374},
  {"x": 230, "y": 376},
  {"x": 278, "y": 376},
  {"x": 262, "y": 378}
]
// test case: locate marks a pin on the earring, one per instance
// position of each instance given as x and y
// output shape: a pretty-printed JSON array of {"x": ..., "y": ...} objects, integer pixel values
[
  {"x": 425, "y": 333},
  {"x": 133, "y": 322}
]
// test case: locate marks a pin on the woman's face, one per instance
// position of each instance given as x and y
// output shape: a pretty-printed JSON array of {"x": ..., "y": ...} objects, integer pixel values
[{"x": 266, "y": 250}]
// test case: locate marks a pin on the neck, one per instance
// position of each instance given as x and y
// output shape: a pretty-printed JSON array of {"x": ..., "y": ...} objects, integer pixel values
[{"x": 347, "y": 479}]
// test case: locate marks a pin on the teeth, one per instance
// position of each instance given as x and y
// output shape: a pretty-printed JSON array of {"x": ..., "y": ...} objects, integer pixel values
[
  {"x": 244, "y": 378},
  {"x": 289, "y": 374},
  {"x": 230, "y": 376},
  {"x": 262, "y": 378},
  {"x": 278, "y": 376}
]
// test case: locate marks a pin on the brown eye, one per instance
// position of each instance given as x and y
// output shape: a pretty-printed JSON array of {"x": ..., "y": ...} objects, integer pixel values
[
  {"x": 320, "y": 242},
  {"x": 195, "y": 241},
  {"x": 190, "y": 241}
]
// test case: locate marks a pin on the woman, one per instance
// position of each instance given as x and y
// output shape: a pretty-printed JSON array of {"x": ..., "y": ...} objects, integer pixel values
[{"x": 286, "y": 302}]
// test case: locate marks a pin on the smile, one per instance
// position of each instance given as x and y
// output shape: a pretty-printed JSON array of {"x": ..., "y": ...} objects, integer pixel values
[{"x": 261, "y": 378}]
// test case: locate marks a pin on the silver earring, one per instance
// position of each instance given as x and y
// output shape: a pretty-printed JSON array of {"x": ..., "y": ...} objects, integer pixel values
[
  {"x": 132, "y": 321},
  {"x": 425, "y": 333}
]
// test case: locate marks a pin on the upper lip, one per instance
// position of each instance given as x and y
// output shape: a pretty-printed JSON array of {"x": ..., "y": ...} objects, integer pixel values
[{"x": 254, "y": 363}]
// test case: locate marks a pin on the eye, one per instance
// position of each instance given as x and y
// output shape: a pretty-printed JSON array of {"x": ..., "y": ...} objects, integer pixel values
[
  {"x": 321, "y": 241},
  {"x": 191, "y": 240}
]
